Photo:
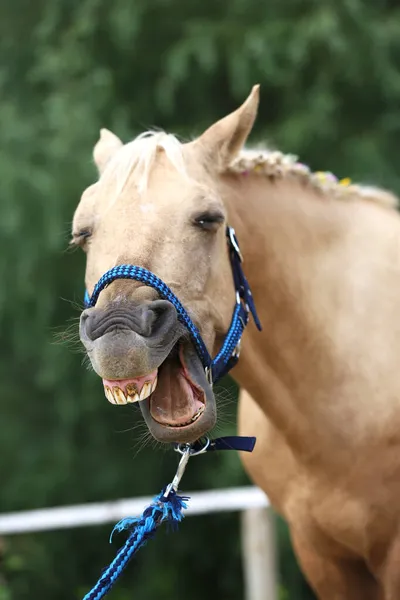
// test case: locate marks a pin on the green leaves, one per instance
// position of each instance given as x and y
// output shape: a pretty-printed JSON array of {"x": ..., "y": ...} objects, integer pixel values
[{"x": 330, "y": 92}]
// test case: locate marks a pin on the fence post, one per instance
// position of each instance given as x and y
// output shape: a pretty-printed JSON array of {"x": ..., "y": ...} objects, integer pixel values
[{"x": 259, "y": 554}]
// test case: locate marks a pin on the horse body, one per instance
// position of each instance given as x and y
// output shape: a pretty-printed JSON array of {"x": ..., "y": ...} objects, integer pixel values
[{"x": 319, "y": 385}]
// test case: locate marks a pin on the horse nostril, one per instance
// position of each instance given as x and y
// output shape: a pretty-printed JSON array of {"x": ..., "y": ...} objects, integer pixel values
[
  {"x": 165, "y": 317},
  {"x": 84, "y": 324},
  {"x": 159, "y": 308}
]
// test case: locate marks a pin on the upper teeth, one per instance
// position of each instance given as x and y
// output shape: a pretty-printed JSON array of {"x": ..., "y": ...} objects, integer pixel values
[
  {"x": 116, "y": 396},
  {"x": 146, "y": 390}
]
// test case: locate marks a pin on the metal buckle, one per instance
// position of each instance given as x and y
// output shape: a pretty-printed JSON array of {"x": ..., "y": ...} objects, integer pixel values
[
  {"x": 234, "y": 243},
  {"x": 236, "y": 350},
  {"x": 208, "y": 372}
]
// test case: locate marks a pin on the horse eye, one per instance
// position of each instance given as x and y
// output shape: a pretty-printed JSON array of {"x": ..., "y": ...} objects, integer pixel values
[
  {"x": 209, "y": 221},
  {"x": 80, "y": 238}
]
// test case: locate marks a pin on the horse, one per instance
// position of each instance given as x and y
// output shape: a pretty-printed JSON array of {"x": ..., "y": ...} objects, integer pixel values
[{"x": 319, "y": 386}]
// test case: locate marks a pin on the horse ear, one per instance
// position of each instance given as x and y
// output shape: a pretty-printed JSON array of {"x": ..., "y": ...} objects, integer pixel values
[
  {"x": 105, "y": 148},
  {"x": 227, "y": 137}
]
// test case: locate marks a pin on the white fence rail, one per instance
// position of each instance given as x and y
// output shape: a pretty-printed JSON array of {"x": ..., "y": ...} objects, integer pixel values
[
  {"x": 82, "y": 515},
  {"x": 258, "y": 536}
]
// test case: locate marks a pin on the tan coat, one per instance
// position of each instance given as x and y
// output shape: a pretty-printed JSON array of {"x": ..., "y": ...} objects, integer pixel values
[{"x": 321, "y": 383}]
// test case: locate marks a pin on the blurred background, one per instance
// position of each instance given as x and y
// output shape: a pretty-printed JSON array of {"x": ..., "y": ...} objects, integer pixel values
[{"x": 330, "y": 92}]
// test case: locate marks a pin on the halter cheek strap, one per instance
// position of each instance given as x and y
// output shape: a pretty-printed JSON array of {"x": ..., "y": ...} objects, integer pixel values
[{"x": 228, "y": 355}]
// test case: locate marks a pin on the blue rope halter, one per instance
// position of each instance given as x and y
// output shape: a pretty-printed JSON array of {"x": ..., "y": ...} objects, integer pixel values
[
  {"x": 228, "y": 355},
  {"x": 168, "y": 506}
]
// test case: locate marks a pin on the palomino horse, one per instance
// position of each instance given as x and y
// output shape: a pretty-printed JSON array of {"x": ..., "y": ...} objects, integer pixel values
[{"x": 320, "y": 385}]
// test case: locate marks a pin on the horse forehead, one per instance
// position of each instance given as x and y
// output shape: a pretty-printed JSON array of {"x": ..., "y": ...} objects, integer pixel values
[
  {"x": 167, "y": 190},
  {"x": 159, "y": 186}
]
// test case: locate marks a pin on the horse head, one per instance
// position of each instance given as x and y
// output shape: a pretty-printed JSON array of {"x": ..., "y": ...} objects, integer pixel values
[{"x": 158, "y": 204}]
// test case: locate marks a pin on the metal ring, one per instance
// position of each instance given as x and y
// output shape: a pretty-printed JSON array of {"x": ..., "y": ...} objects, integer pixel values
[
  {"x": 182, "y": 448},
  {"x": 203, "y": 449},
  {"x": 187, "y": 448}
]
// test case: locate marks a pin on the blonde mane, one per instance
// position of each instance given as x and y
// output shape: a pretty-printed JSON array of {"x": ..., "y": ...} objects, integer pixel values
[
  {"x": 275, "y": 164},
  {"x": 138, "y": 156}
]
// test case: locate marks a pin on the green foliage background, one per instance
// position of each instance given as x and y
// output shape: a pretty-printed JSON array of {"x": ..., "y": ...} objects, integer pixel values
[{"x": 330, "y": 77}]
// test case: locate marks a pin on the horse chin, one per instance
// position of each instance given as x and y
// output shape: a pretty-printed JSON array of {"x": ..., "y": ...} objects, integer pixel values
[{"x": 182, "y": 407}]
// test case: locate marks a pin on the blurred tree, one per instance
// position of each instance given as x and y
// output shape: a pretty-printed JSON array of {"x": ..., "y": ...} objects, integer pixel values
[{"x": 330, "y": 79}]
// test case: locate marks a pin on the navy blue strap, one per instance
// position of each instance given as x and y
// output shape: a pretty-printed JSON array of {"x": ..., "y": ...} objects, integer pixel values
[
  {"x": 241, "y": 284},
  {"x": 229, "y": 442},
  {"x": 233, "y": 442}
]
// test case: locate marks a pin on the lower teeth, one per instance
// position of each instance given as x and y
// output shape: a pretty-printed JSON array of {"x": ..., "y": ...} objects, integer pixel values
[{"x": 192, "y": 420}]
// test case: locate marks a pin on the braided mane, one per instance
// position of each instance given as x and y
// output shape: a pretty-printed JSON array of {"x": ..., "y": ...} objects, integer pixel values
[
  {"x": 139, "y": 155},
  {"x": 275, "y": 164}
]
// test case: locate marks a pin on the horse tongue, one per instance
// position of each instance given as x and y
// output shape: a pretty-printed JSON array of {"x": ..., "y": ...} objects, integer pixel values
[
  {"x": 174, "y": 401},
  {"x": 132, "y": 389}
]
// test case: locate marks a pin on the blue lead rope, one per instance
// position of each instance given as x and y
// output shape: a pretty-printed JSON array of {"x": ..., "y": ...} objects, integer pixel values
[
  {"x": 167, "y": 507},
  {"x": 163, "y": 509}
]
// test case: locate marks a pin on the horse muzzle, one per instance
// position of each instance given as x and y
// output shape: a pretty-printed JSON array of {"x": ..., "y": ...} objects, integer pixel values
[{"x": 144, "y": 354}]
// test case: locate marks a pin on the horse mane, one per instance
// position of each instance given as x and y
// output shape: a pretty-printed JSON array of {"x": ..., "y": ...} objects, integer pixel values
[
  {"x": 139, "y": 155},
  {"x": 276, "y": 165}
]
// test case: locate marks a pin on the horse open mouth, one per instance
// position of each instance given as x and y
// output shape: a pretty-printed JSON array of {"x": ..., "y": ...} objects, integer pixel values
[{"x": 176, "y": 400}]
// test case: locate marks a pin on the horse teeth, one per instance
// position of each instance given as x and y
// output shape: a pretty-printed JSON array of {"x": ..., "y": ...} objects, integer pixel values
[
  {"x": 153, "y": 385},
  {"x": 131, "y": 389},
  {"x": 145, "y": 391},
  {"x": 108, "y": 394},
  {"x": 119, "y": 395},
  {"x": 192, "y": 420},
  {"x": 196, "y": 416},
  {"x": 133, "y": 398},
  {"x": 132, "y": 393}
]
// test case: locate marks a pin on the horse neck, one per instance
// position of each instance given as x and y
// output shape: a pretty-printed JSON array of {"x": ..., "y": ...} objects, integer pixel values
[{"x": 304, "y": 256}]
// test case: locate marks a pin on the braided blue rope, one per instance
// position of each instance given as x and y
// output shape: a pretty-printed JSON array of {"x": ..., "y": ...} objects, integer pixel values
[
  {"x": 163, "y": 509},
  {"x": 147, "y": 277}
]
